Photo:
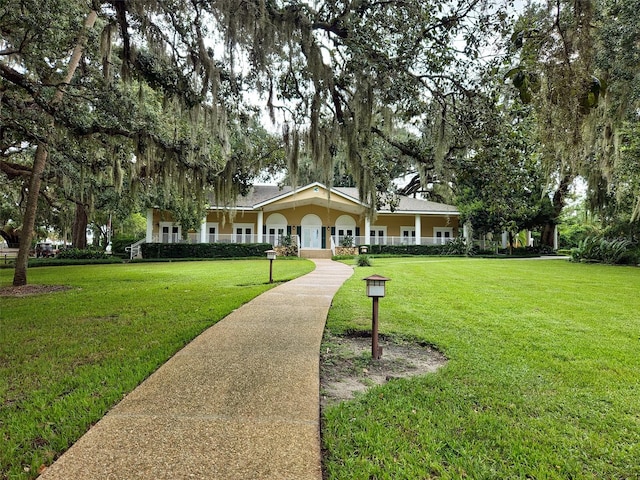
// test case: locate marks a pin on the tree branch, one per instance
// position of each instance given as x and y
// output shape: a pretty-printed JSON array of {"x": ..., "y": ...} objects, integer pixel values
[{"x": 14, "y": 170}]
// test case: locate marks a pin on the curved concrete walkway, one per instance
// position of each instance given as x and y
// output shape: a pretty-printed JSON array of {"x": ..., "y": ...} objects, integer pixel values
[{"x": 239, "y": 402}]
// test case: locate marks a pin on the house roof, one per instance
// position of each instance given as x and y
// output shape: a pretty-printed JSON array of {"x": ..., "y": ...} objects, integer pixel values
[{"x": 264, "y": 196}]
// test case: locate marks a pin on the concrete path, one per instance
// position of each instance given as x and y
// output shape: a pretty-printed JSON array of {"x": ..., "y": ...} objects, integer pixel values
[{"x": 239, "y": 402}]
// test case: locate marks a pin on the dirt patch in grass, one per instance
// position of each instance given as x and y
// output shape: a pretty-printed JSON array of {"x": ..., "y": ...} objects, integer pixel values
[
  {"x": 26, "y": 290},
  {"x": 346, "y": 366}
]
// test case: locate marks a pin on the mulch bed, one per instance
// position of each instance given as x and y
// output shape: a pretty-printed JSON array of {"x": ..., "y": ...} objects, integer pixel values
[{"x": 26, "y": 290}]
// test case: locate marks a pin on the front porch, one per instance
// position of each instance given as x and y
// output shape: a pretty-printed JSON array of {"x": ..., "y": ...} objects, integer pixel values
[
  {"x": 280, "y": 240},
  {"x": 312, "y": 218}
]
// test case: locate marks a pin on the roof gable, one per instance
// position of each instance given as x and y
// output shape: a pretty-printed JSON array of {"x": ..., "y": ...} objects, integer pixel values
[{"x": 312, "y": 193}]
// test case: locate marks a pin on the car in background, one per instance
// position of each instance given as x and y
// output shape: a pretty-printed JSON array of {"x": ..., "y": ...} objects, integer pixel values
[{"x": 45, "y": 250}]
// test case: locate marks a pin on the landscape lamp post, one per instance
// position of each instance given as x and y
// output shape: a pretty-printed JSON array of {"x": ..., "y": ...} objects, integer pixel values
[
  {"x": 271, "y": 255},
  {"x": 375, "y": 290}
]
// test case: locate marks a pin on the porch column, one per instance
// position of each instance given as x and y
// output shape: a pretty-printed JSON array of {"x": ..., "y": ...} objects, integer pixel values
[
  {"x": 260, "y": 225},
  {"x": 149, "y": 235},
  {"x": 203, "y": 230},
  {"x": 367, "y": 230},
  {"x": 418, "y": 228}
]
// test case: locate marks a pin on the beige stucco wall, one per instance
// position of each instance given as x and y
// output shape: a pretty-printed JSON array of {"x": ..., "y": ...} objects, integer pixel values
[
  {"x": 328, "y": 216},
  {"x": 394, "y": 222},
  {"x": 225, "y": 222}
]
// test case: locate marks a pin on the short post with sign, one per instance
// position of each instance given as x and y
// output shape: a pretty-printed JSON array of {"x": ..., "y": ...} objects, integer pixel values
[{"x": 375, "y": 290}]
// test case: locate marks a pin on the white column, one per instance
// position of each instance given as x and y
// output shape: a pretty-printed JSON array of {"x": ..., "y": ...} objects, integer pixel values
[
  {"x": 260, "y": 226},
  {"x": 555, "y": 237},
  {"x": 203, "y": 230},
  {"x": 149, "y": 235},
  {"x": 505, "y": 239},
  {"x": 529, "y": 241},
  {"x": 367, "y": 230},
  {"x": 418, "y": 228}
]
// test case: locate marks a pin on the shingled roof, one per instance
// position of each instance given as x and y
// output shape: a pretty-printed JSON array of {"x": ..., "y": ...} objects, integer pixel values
[{"x": 261, "y": 194}]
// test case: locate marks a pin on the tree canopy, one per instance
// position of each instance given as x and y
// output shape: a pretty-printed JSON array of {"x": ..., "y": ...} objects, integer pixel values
[{"x": 164, "y": 98}]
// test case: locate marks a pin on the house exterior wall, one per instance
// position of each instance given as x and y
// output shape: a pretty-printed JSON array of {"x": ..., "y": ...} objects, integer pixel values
[
  {"x": 394, "y": 223},
  {"x": 310, "y": 214},
  {"x": 294, "y": 215},
  {"x": 225, "y": 223}
]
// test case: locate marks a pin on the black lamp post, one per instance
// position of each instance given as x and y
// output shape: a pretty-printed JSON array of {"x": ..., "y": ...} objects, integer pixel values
[
  {"x": 375, "y": 290},
  {"x": 271, "y": 255}
]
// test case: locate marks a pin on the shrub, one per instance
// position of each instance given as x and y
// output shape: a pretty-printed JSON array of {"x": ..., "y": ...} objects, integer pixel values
[
  {"x": 59, "y": 262},
  {"x": 287, "y": 248},
  {"x": 347, "y": 241},
  {"x": 82, "y": 254},
  {"x": 411, "y": 250},
  {"x": 598, "y": 249},
  {"x": 528, "y": 251},
  {"x": 363, "y": 261},
  {"x": 120, "y": 242},
  {"x": 204, "y": 250},
  {"x": 457, "y": 246}
]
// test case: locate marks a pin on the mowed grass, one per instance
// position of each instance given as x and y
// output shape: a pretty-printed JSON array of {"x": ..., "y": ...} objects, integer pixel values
[
  {"x": 543, "y": 378},
  {"x": 67, "y": 357}
]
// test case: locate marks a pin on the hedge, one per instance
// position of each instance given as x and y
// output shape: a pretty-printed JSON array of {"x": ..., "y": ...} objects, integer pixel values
[
  {"x": 120, "y": 242},
  {"x": 59, "y": 262},
  {"x": 204, "y": 250},
  {"x": 90, "y": 253},
  {"x": 412, "y": 250}
]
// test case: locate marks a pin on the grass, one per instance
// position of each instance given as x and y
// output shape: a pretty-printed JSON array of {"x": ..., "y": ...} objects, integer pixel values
[
  {"x": 543, "y": 378},
  {"x": 67, "y": 357}
]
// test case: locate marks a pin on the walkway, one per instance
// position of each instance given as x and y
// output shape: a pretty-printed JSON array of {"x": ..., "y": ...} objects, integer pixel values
[{"x": 239, "y": 402}]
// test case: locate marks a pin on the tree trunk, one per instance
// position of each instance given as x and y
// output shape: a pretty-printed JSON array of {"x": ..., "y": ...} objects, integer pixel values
[
  {"x": 80, "y": 222},
  {"x": 40, "y": 162},
  {"x": 29, "y": 220}
]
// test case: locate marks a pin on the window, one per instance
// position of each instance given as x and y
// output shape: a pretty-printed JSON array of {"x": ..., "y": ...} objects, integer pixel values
[
  {"x": 378, "y": 236},
  {"x": 442, "y": 234},
  {"x": 169, "y": 233},
  {"x": 408, "y": 235},
  {"x": 243, "y": 233},
  {"x": 345, "y": 227},
  {"x": 275, "y": 234},
  {"x": 275, "y": 229},
  {"x": 343, "y": 233}
]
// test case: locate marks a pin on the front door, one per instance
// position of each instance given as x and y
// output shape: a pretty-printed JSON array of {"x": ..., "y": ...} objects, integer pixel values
[{"x": 311, "y": 237}]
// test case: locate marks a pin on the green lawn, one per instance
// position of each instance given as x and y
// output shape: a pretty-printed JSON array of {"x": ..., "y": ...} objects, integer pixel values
[
  {"x": 543, "y": 378},
  {"x": 67, "y": 357}
]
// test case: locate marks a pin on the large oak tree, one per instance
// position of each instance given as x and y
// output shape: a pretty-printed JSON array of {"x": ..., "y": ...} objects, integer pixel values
[{"x": 168, "y": 80}]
